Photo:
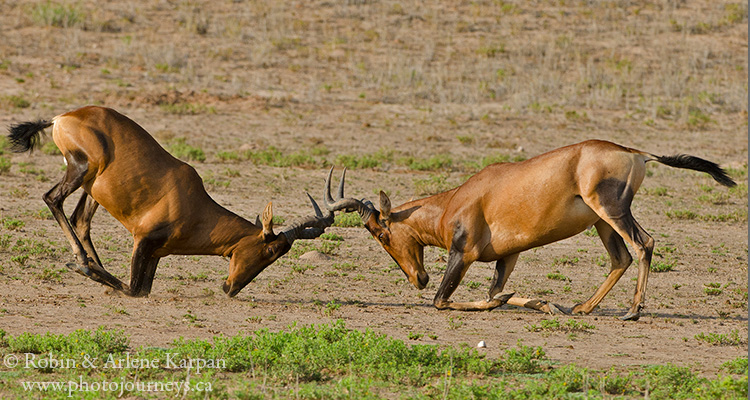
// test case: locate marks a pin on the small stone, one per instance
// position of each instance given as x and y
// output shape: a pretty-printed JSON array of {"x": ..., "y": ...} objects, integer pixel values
[
  {"x": 314, "y": 256},
  {"x": 481, "y": 344}
]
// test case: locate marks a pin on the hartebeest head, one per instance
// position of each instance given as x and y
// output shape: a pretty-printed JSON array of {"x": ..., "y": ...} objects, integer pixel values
[
  {"x": 396, "y": 238},
  {"x": 255, "y": 252}
]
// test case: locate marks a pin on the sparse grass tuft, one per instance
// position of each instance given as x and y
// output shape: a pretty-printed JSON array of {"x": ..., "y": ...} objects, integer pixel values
[
  {"x": 58, "y": 15},
  {"x": 732, "y": 338},
  {"x": 348, "y": 220},
  {"x": 432, "y": 185},
  {"x": 182, "y": 150}
]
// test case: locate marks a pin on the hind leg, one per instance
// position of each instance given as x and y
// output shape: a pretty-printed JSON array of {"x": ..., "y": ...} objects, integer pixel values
[
  {"x": 620, "y": 261},
  {"x": 611, "y": 202},
  {"x": 55, "y": 198},
  {"x": 81, "y": 222}
]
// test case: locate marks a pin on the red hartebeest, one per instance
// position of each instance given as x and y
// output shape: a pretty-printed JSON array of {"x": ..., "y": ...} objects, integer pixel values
[
  {"x": 158, "y": 198},
  {"x": 508, "y": 208}
]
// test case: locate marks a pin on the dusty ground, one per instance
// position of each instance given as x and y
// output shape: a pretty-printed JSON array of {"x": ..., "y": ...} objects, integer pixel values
[{"x": 330, "y": 80}]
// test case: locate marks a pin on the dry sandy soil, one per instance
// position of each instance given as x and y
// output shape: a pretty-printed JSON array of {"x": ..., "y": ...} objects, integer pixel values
[{"x": 390, "y": 79}]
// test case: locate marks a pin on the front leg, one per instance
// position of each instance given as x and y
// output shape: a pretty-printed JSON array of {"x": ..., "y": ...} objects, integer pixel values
[{"x": 458, "y": 263}]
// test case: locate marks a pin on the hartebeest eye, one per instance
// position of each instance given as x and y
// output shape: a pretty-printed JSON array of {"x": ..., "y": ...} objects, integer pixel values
[{"x": 381, "y": 236}]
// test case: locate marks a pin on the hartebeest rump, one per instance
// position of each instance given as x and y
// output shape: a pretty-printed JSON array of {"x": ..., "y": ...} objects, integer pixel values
[
  {"x": 159, "y": 199},
  {"x": 508, "y": 208}
]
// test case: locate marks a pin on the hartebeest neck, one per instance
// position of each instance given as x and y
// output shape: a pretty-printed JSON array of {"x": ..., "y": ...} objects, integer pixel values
[
  {"x": 218, "y": 231},
  {"x": 424, "y": 217}
]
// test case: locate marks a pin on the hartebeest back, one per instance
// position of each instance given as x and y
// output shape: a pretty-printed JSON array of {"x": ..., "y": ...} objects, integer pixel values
[
  {"x": 158, "y": 198},
  {"x": 508, "y": 208}
]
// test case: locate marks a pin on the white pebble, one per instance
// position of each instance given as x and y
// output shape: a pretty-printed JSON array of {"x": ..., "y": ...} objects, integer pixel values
[{"x": 481, "y": 344}]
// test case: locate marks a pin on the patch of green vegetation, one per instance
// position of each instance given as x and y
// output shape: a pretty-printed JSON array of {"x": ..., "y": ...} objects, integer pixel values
[
  {"x": 662, "y": 266},
  {"x": 656, "y": 191},
  {"x": 51, "y": 274},
  {"x": 557, "y": 276},
  {"x": 434, "y": 163},
  {"x": 733, "y": 338},
  {"x": 228, "y": 156},
  {"x": 15, "y": 101},
  {"x": 58, "y": 15},
  {"x": 735, "y": 216},
  {"x": 373, "y": 160},
  {"x": 5, "y": 165},
  {"x": 182, "y": 150},
  {"x": 565, "y": 260},
  {"x": 185, "y": 108},
  {"x": 554, "y": 325},
  {"x": 344, "y": 266},
  {"x": 738, "y": 366},
  {"x": 331, "y": 361},
  {"x": 432, "y": 185},
  {"x": 50, "y": 148},
  {"x": 472, "y": 284},
  {"x": 698, "y": 119},
  {"x": 348, "y": 220},
  {"x": 472, "y": 165},
  {"x": 12, "y": 224},
  {"x": 332, "y": 236}
]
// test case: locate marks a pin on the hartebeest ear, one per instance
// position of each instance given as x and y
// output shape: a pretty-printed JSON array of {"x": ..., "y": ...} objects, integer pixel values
[
  {"x": 385, "y": 206},
  {"x": 268, "y": 221}
]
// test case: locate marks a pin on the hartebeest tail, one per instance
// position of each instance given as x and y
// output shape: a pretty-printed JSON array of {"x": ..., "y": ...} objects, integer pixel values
[
  {"x": 25, "y": 136},
  {"x": 697, "y": 164},
  {"x": 159, "y": 199},
  {"x": 508, "y": 208}
]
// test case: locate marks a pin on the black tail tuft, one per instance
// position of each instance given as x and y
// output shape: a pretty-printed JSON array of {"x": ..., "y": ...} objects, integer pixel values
[
  {"x": 25, "y": 136},
  {"x": 698, "y": 164}
]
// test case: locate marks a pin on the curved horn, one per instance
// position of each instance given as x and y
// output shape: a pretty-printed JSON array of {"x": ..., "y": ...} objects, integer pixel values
[
  {"x": 363, "y": 207},
  {"x": 309, "y": 227}
]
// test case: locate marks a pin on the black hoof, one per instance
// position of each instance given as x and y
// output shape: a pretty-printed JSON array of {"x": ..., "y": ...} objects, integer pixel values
[
  {"x": 81, "y": 269},
  {"x": 631, "y": 316}
]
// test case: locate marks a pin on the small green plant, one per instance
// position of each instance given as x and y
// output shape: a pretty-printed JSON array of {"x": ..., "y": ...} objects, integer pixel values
[
  {"x": 50, "y": 274},
  {"x": 12, "y": 224},
  {"x": 657, "y": 191},
  {"x": 185, "y": 108},
  {"x": 347, "y": 266},
  {"x": 348, "y": 220},
  {"x": 180, "y": 149},
  {"x": 50, "y": 148},
  {"x": 20, "y": 259},
  {"x": 554, "y": 325},
  {"x": 682, "y": 214},
  {"x": 226, "y": 156},
  {"x": 455, "y": 323},
  {"x": 58, "y": 15},
  {"x": 432, "y": 185},
  {"x": 523, "y": 360},
  {"x": 332, "y": 236},
  {"x": 662, "y": 266},
  {"x": 434, "y": 163},
  {"x": 733, "y": 338},
  {"x": 738, "y": 366},
  {"x": 565, "y": 260},
  {"x": 712, "y": 291},
  {"x": 473, "y": 285},
  {"x": 415, "y": 335},
  {"x": 556, "y": 276},
  {"x": 5, "y": 165},
  {"x": 331, "y": 307}
]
